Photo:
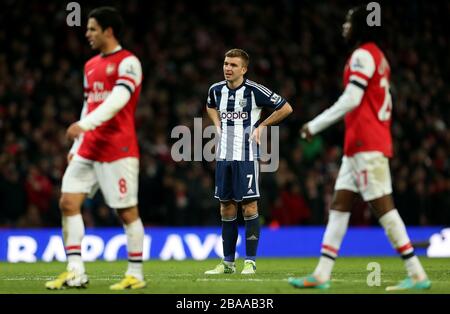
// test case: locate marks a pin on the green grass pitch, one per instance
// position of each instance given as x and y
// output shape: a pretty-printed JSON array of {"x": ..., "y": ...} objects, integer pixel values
[{"x": 181, "y": 277}]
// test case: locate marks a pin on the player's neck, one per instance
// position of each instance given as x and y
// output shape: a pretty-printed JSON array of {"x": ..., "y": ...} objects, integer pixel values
[
  {"x": 236, "y": 83},
  {"x": 109, "y": 47}
]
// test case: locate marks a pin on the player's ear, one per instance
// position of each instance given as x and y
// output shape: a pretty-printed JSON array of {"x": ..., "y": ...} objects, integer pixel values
[
  {"x": 109, "y": 32},
  {"x": 244, "y": 69}
]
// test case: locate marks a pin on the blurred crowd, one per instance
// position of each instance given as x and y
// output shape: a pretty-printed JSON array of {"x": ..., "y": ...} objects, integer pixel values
[{"x": 296, "y": 49}]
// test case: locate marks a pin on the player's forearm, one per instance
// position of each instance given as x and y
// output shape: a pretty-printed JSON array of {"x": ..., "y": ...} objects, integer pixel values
[
  {"x": 214, "y": 116},
  {"x": 348, "y": 101},
  {"x": 118, "y": 98},
  {"x": 278, "y": 115}
]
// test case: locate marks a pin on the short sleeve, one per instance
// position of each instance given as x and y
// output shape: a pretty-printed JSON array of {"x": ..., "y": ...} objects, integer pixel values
[
  {"x": 362, "y": 67},
  {"x": 211, "y": 99},
  {"x": 264, "y": 97},
  {"x": 129, "y": 73}
]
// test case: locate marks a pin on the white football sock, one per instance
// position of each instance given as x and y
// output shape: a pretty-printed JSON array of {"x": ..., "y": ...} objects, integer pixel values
[
  {"x": 332, "y": 239},
  {"x": 396, "y": 231},
  {"x": 73, "y": 233},
  {"x": 135, "y": 245}
]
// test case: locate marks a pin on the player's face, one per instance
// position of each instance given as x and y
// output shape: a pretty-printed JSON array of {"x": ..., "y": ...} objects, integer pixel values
[
  {"x": 94, "y": 34},
  {"x": 233, "y": 68},
  {"x": 347, "y": 26}
]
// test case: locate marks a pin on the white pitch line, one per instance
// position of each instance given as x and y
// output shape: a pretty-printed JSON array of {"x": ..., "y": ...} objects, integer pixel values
[
  {"x": 111, "y": 278},
  {"x": 277, "y": 280},
  {"x": 243, "y": 279},
  {"x": 50, "y": 278}
]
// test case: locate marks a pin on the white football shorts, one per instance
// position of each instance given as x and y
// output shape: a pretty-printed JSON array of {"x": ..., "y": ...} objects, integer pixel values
[
  {"x": 366, "y": 173},
  {"x": 118, "y": 180}
]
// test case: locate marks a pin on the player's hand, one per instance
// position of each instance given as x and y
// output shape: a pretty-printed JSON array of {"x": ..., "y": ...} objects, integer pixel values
[
  {"x": 256, "y": 135},
  {"x": 74, "y": 131},
  {"x": 305, "y": 133}
]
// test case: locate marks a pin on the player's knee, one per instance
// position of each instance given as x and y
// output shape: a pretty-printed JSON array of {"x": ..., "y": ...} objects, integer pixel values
[
  {"x": 128, "y": 215},
  {"x": 382, "y": 205},
  {"x": 249, "y": 209},
  {"x": 339, "y": 206},
  {"x": 227, "y": 213},
  {"x": 68, "y": 205},
  {"x": 228, "y": 210}
]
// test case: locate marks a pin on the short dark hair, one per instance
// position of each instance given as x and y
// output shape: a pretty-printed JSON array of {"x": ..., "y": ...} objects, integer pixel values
[
  {"x": 238, "y": 53},
  {"x": 361, "y": 31},
  {"x": 108, "y": 17}
]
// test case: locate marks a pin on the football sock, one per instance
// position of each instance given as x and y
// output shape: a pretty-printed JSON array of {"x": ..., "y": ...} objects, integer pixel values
[
  {"x": 229, "y": 238},
  {"x": 252, "y": 231},
  {"x": 396, "y": 231},
  {"x": 73, "y": 233},
  {"x": 332, "y": 239},
  {"x": 135, "y": 244}
]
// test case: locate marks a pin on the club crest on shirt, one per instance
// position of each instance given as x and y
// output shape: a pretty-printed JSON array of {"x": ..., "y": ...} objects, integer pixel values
[
  {"x": 243, "y": 102},
  {"x": 110, "y": 68}
]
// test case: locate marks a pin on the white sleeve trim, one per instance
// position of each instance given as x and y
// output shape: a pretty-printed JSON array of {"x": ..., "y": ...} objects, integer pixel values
[
  {"x": 349, "y": 100},
  {"x": 118, "y": 98},
  {"x": 77, "y": 142},
  {"x": 362, "y": 61}
]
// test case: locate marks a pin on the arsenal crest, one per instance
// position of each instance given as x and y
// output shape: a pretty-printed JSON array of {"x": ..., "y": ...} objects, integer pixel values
[{"x": 110, "y": 68}]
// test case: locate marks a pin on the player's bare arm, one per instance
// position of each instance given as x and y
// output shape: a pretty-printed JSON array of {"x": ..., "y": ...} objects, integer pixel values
[
  {"x": 276, "y": 117},
  {"x": 214, "y": 116}
]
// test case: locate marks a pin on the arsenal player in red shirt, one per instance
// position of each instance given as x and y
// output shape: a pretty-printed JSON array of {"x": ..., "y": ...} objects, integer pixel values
[
  {"x": 366, "y": 107},
  {"x": 105, "y": 153}
]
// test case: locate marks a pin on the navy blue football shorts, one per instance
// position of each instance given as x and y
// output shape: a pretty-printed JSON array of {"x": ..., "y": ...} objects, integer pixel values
[{"x": 237, "y": 180}]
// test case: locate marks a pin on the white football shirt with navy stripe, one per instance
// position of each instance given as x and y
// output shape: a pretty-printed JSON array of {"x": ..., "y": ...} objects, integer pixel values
[{"x": 239, "y": 112}]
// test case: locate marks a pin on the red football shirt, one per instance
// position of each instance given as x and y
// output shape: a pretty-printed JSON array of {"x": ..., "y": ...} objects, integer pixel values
[
  {"x": 367, "y": 127},
  {"x": 115, "y": 138}
]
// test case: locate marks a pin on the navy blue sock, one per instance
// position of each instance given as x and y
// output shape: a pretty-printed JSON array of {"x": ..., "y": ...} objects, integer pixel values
[
  {"x": 229, "y": 238},
  {"x": 252, "y": 230}
]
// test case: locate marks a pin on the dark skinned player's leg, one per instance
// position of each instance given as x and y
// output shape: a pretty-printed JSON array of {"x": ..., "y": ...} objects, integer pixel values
[
  {"x": 395, "y": 229},
  {"x": 338, "y": 219}
]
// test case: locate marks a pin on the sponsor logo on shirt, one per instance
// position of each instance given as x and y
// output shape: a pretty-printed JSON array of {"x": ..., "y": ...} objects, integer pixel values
[
  {"x": 233, "y": 115},
  {"x": 98, "y": 96}
]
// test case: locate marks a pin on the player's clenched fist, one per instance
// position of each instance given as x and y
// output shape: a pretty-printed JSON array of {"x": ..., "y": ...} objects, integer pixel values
[
  {"x": 74, "y": 131},
  {"x": 305, "y": 133}
]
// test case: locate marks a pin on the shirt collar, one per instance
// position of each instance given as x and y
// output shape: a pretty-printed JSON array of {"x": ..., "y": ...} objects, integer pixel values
[{"x": 118, "y": 48}]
